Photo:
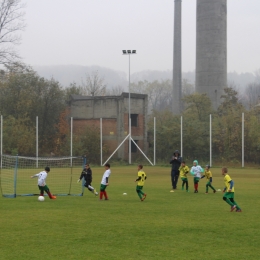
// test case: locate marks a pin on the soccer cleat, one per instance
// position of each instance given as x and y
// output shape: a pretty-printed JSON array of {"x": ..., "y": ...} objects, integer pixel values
[
  {"x": 195, "y": 191},
  {"x": 144, "y": 197},
  {"x": 239, "y": 210},
  {"x": 214, "y": 191},
  {"x": 187, "y": 190},
  {"x": 206, "y": 193},
  {"x": 182, "y": 188},
  {"x": 233, "y": 208},
  {"x": 53, "y": 197},
  {"x": 171, "y": 190},
  {"x": 106, "y": 199}
]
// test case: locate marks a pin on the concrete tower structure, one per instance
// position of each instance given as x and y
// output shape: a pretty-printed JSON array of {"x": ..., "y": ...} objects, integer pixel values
[
  {"x": 211, "y": 49},
  {"x": 177, "y": 71}
]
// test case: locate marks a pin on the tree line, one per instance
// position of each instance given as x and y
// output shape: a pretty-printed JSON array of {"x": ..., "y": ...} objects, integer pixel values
[{"x": 25, "y": 95}]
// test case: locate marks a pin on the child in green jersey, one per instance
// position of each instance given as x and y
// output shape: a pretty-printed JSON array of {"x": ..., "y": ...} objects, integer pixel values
[
  {"x": 208, "y": 175},
  {"x": 141, "y": 177},
  {"x": 184, "y": 170},
  {"x": 229, "y": 191}
]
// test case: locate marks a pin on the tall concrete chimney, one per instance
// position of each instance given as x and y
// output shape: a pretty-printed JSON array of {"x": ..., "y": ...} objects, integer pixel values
[
  {"x": 177, "y": 71},
  {"x": 211, "y": 49}
]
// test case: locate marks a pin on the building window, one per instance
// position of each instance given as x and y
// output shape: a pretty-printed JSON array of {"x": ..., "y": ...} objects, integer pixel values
[
  {"x": 133, "y": 146},
  {"x": 134, "y": 119}
]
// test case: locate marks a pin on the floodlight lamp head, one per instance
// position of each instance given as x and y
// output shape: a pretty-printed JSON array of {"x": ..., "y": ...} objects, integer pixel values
[
  {"x": 129, "y": 51},
  {"x": 134, "y": 51},
  {"x": 124, "y": 51}
]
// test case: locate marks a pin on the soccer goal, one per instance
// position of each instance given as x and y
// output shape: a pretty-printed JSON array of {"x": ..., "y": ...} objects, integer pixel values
[{"x": 16, "y": 171}]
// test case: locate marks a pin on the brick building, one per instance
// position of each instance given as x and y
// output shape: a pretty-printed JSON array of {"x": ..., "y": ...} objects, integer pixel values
[{"x": 87, "y": 110}]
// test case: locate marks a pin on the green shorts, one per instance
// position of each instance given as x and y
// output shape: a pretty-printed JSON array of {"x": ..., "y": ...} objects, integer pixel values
[
  {"x": 184, "y": 179},
  {"x": 43, "y": 188},
  {"x": 139, "y": 188},
  {"x": 196, "y": 180},
  {"x": 229, "y": 195},
  {"x": 103, "y": 187}
]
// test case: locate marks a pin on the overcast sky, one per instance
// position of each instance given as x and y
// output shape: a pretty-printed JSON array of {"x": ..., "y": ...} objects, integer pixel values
[{"x": 94, "y": 32}]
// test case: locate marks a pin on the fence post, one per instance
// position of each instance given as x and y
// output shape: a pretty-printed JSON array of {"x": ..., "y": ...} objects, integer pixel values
[
  {"x": 181, "y": 139},
  {"x": 1, "y": 150},
  {"x": 101, "y": 155},
  {"x": 71, "y": 139},
  {"x": 243, "y": 139},
  {"x": 37, "y": 143},
  {"x": 210, "y": 140},
  {"x": 154, "y": 142}
]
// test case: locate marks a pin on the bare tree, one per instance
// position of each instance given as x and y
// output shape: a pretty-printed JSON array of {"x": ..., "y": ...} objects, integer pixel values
[
  {"x": 159, "y": 93},
  {"x": 187, "y": 88},
  {"x": 257, "y": 76},
  {"x": 115, "y": 91},
  {"x": 94, "y": 85},
  {"x": 234, "y": 86},
  {"x": 252, "y": 95},
  {"x": 11, "y": 22}
]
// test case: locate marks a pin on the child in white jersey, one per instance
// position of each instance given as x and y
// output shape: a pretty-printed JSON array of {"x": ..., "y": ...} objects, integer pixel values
[
  {"x": 196, "y": 171},
  {"x": 42, "y": 184},
  {"x": 104, "y": 182}
]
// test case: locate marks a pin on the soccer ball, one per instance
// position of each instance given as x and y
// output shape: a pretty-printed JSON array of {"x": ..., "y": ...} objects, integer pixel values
[{"x": 41, "y": 198}]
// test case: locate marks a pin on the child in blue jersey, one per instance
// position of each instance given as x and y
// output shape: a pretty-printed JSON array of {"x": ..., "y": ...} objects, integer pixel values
[{"x": 196, "y": 171}]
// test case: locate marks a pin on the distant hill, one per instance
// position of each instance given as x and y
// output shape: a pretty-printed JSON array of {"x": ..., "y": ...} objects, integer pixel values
[{"x": 67, "y": 74}]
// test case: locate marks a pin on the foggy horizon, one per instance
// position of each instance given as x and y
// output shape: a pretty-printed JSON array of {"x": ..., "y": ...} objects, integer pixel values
[{"x": 94, "y": 33}]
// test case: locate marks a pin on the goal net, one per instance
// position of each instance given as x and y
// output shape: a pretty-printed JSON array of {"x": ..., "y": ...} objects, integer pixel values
[{"x": 16, "y": 172}]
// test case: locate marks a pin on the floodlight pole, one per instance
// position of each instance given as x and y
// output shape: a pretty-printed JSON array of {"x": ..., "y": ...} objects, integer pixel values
[{"x": 129, "y": 52}]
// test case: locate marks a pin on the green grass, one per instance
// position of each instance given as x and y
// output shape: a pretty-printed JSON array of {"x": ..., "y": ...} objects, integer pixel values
[{"x": 166, "y": 225}]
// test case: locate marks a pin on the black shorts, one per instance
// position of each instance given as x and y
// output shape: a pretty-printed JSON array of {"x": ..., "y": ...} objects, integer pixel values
[{"x": 87, "y": 183}]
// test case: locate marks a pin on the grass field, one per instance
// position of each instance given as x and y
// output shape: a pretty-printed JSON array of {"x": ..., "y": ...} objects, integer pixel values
[{"x": 166, "y": 225}]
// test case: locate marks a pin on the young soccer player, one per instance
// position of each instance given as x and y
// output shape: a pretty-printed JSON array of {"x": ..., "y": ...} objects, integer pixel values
[
  {"x": 208, "y": 175},
  {"x": 42, "y": 184},
  {"x": 104, "y": 182},
  {"x": 184, "y": 170},
  {"x": 196, "y": 171},
  {"x": 87, "y": 175},
  {"x": 141, "y": 177},
  {"x": 229, "y": 191}
]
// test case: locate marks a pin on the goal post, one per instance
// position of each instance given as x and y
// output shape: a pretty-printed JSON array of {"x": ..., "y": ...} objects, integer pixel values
[{"x": 16, "y": 172}]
